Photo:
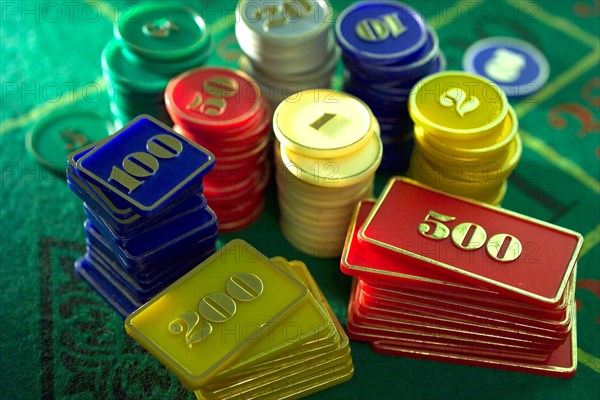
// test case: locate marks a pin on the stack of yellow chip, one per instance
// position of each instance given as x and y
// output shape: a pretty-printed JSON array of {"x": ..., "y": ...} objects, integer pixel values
[
  {"x": 242, "y": 326},
  {"x": 466, "y": 136},
  {"x": 326, "y": 156}
]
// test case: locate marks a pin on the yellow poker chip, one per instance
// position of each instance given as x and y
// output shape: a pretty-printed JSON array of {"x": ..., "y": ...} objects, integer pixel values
[
  {"x": 315, "y": 248},
  {"x": 471, "y": 169},
  {"x": 329, "y": 220},
  {"x": 323, "y": 331},
  {"x": 458, "y": 105},
  {"x": 499, "y": 195},
  {"x": 424, "y": 171},
  {"x": 279, "y": 371},
  {"x": 323, "y": 123},
  {"x": 311, "y": 232},
  {"x": 487, "y": 147},
  {"x": 326, "y": 197},
  {"x": 311, "y": 215},
  {"x": 335, "y": 172},
  {"x": 326, "y": 202},
  {"x": 309, "y": 321},
  {"x": 325, "y": 229},
  {"x": 184, "y": 326}
]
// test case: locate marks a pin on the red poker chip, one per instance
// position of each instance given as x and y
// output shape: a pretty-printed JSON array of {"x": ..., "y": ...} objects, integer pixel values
[
  {"x": 256, "y": 127},
  {"x": 236, "y": 167},
  {"x": 561, "y": 363},
  {"x": 541, "y": 284},
  {"x": 401, "y": 314},
  {"x": 228, "y": 196},
  {"x": 228, "y": 227},
  {"x": 556, "y": 320},
  {"x": 232, "y": 174},
  {"x": 220, "y": 202},
  {"x": 226, "y": 146},
  {"x": 410, "y": 308},
  {"x": 223, "y": 178},
  {"x": 213, "y": 99},
  {"x": 238, "y": 212},
  {"x": 229, "y": 190},
  {"x": 258, "y": 154},
  {"x": 259, "y": 124}
]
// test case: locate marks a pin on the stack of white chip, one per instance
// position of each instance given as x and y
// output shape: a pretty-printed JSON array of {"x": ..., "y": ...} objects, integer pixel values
[
  {"x": 327, "y": 152},
  {"x": 288, "y": 45}
]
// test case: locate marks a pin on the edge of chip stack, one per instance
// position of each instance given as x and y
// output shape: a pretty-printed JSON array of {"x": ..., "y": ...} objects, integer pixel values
[
  {"x": 225, "y": 328},
  {"x": 144, "y": 228},
  {"x": 454, "y": 280},
  {"x": 224, "y": 110},
  {"x": 287, "y": 46},
  {"x": 386, "y": 48},
  {"x": 466, "y": 136},
  {"x": 151, "y": 44},
  {"x": 327, "y": 151}
]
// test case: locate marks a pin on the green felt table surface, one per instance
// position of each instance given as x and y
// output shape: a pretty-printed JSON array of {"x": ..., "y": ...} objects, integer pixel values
[{"x": 60, "y": 340}]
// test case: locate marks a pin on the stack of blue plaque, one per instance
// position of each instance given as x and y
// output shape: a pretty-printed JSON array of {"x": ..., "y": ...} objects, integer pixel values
[
  {"x": 147, "y": 221},
  {"x": 386, "y": 49}
]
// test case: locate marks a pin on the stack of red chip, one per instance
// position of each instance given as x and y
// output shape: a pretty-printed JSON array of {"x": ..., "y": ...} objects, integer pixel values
[
  {"x": 448, "y": 279},
  {"x": 223, "y": 110}
]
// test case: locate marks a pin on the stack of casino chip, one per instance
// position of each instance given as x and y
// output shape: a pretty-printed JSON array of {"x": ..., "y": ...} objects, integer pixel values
[
  {"x": 152, "y": 44},
  {"x": 242, "y": 326},
  {"x": 147, "y": 221},
  {"x": 386, "y": 48},
  {"x": 466, "y": 136},
  {"x": 448, "y": 279},
  {"x": 224, "y": 111},
  {"x": 326, "y": 156},
  {"x": 288, "y": 46}
]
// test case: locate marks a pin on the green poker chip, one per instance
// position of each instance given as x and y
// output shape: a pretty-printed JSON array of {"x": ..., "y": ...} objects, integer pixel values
[
  {"x": 60, "y": 133},
  {"x": 171, "y": 68},
  {"x": 123, "y": 73},
  {"x": 163, "y": 32}
]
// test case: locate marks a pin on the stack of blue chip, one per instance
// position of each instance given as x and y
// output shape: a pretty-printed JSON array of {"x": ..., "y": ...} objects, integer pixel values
[
  {"x": 147, "y": 220},
  {"x": 386, "y": 49}
]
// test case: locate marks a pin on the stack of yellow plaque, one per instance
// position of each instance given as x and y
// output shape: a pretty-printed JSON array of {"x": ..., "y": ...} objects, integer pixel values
[
  {"x": 466, "y": 136},
  {"x": 241, "y": 326},
  {"x": 327, "y": 152}
]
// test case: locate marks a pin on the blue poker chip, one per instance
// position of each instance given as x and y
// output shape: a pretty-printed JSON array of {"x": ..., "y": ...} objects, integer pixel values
[
  {"x": 382, "y": 32},
  {"x": 147, "y": 279},
  {"x": 140, "y": 288},
  {"x": 125, "y": 222},
  {"x": 516, "y": 66},
  {"x": 120, "y": 300},
  {"x": 146, "y": 165},
  {"x": 415, "y": 69},
  {"x": 115, "y": 209},
  {"x": 396, "y": 154},
  {"x": 187, "y": 202},
  {"x": 377, "y": 105},
  {"x": 147, "y": 251},
  {"x": 404, "y": 87},
  {"x": 160, "y": 230}
]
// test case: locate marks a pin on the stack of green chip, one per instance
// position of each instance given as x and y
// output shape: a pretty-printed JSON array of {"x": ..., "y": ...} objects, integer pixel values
[{"x": 151, "y": 46}]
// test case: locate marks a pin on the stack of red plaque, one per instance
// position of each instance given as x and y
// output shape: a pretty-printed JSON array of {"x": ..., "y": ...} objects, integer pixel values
[
  {"x": 223, "y": 110},
  {"x": 448, "y": 279}
]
